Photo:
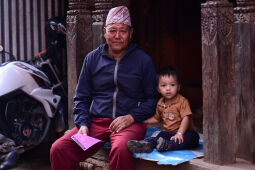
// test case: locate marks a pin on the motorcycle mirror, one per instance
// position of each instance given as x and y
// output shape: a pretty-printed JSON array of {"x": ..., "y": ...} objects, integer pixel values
[
  {"x": 61, "y": 28},
  {"x": 1, "y": 48},
  {"x": 58, "y": 27},
  {"x": 53, "y": 25}
]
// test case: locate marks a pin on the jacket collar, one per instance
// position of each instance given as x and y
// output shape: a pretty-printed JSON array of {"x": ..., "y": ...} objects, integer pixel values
[{"x": 104, "y": 50}]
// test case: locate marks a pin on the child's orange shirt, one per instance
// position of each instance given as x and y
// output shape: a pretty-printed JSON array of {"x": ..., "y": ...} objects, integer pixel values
[{"x": 173, "y": 113}]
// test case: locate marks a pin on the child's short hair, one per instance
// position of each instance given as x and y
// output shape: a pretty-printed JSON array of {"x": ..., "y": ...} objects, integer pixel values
[{"x": 169, "y": 71}]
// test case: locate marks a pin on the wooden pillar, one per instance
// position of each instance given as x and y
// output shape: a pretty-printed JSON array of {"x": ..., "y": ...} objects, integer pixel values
[
  {"x": 219, "y": 121},
  {"x": 245, "y": 78},
  {"x": 102, "y": 8},
  {"x": 79, "y": 43}
]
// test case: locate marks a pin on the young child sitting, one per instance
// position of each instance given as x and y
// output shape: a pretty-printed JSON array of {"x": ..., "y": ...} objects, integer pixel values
[{"x": 175, "y": 112}]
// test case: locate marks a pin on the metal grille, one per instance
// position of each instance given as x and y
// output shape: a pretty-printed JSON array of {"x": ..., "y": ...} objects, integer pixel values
[{"x": 22, "y": 25}]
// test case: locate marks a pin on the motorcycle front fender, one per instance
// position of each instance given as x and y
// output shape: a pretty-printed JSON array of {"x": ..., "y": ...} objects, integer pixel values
[
  {"x": 48, "y": 99},
  {"x": 60, "y": 123}
]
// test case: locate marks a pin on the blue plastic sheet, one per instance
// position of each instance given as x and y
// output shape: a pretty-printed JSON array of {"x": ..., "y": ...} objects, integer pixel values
[{"x": 170, "y": 157}]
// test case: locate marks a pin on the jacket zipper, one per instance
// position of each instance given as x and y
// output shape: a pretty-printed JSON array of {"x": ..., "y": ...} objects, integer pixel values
[
  {"x": 116, "y": 90},
  {"x": 91, "y": 105}
]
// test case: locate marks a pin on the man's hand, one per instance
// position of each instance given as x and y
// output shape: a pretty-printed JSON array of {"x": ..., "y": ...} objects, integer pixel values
[
  {"x": 121, "y": 123},
  {"x": 84, "y": 130}
]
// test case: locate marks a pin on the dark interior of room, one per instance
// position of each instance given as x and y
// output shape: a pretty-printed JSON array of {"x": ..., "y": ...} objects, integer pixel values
[{"x": 170, "y": 32}]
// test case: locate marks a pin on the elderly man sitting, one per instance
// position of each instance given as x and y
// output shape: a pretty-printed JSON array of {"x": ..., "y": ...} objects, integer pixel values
[{"x": 115, "y": 93}]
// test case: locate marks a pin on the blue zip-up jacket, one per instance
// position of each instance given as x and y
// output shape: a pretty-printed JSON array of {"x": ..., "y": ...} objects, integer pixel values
[{"x": 109, "y": 88}]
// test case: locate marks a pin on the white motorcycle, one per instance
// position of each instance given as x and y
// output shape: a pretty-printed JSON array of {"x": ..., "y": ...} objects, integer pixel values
[{"x": 32, "y": 98}]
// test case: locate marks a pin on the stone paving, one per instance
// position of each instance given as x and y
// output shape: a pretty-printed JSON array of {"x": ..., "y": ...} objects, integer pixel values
[{"x": 35, "y": 159}]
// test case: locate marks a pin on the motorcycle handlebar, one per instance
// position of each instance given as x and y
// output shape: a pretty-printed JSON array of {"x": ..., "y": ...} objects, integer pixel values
[
  {"x": 12, "y": 57},
  {"x": 40, "y": 53}
]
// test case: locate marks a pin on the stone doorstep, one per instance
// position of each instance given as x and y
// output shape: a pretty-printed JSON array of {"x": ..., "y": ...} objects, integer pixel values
[
  {"x": 100, "y": 161},
  {"x": 240, "y": 164}
]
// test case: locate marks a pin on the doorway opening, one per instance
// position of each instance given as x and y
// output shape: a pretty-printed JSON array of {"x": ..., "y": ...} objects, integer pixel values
[{"x": 170, "y": 32}]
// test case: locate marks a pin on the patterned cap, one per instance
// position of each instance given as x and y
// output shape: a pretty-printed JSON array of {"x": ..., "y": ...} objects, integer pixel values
[{"x": 120, "y": 15}]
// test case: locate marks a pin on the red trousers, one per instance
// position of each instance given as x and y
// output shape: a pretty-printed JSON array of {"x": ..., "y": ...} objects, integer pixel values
[{"x": 65, "y": 154}]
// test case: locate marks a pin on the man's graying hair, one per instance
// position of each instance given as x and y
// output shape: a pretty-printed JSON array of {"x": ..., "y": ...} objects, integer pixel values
[{"x": 169, "y": 71}]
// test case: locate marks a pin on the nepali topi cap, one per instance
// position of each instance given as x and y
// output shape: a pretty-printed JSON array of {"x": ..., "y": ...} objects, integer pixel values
[{"x": 118, "y": 15}]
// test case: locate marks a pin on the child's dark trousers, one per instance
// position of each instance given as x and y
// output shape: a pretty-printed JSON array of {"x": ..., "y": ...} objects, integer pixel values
[{"x": 190, "y": 139}]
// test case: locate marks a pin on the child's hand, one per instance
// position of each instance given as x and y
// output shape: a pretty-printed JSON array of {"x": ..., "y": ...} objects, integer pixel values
[{"x": 177, "y": 136}]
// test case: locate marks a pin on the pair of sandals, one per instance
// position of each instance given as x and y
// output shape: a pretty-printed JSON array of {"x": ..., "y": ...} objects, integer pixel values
[{"x": 143, "y": 146}]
